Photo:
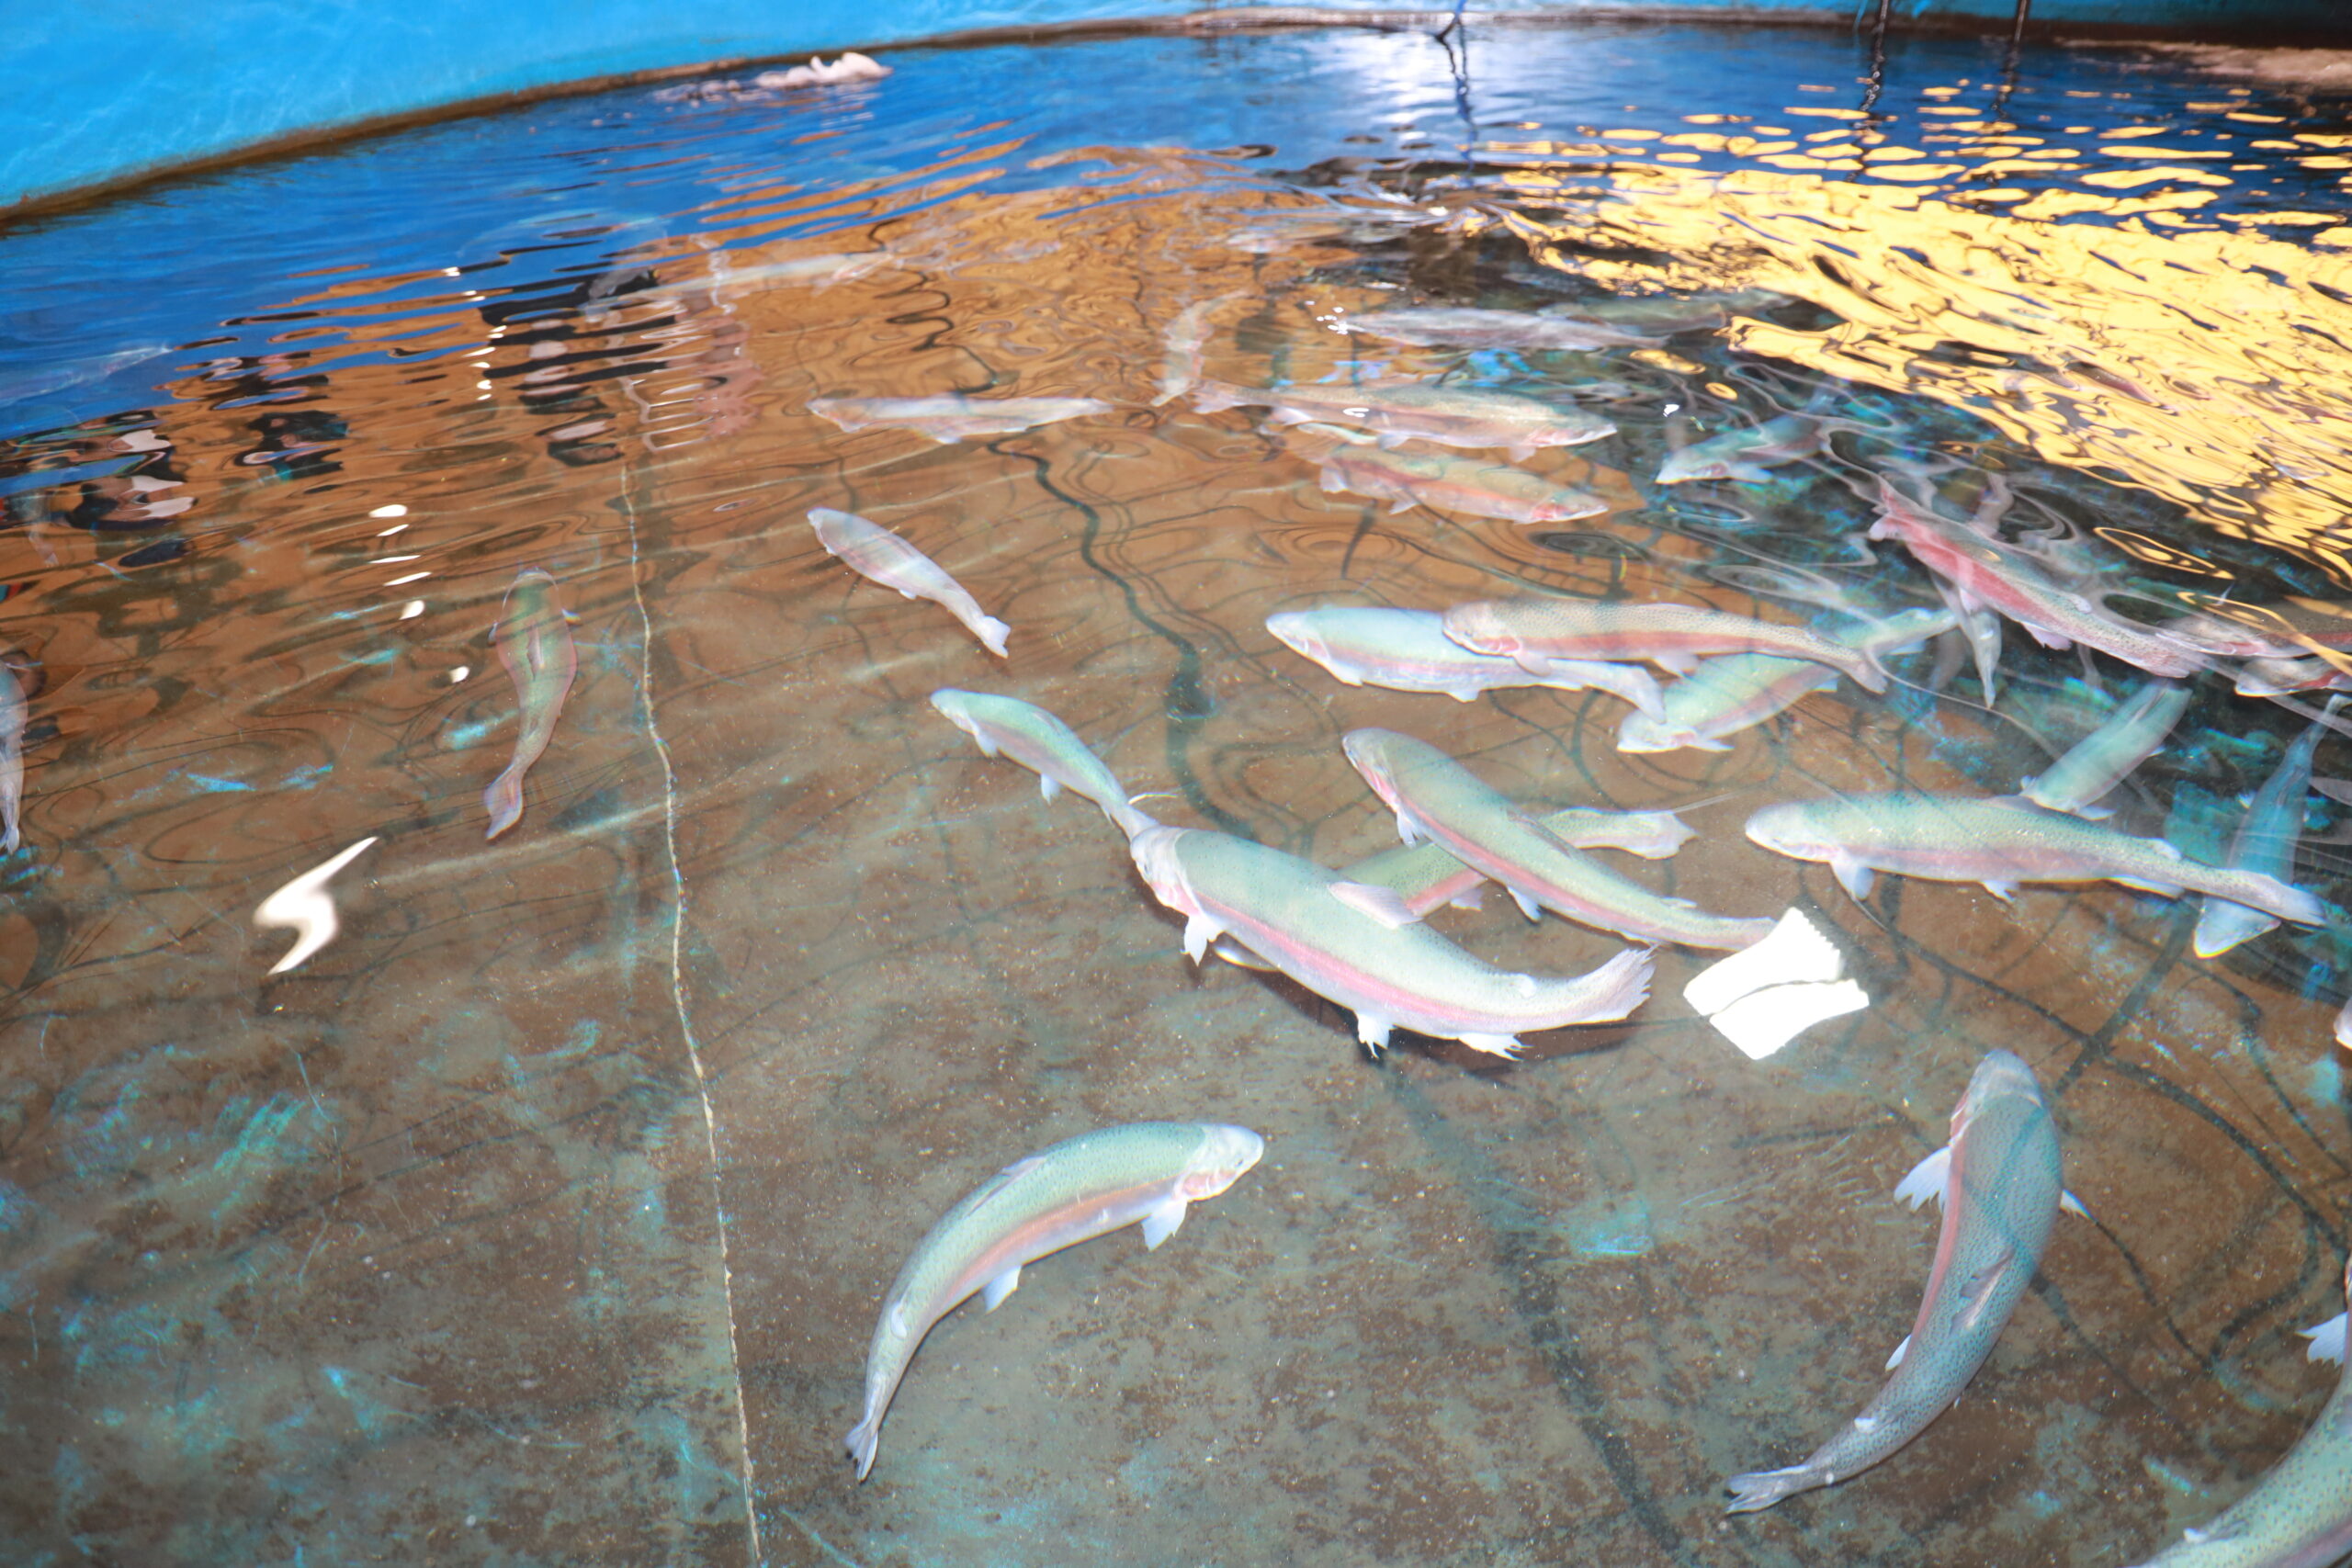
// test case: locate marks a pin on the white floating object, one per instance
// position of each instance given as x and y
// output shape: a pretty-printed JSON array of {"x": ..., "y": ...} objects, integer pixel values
[
  {"x": 413, "y": 609},
  {"x": 303, "y": 906},
  {"x": 1764, "y": 996},
  {"x": 394, "y": 510}
]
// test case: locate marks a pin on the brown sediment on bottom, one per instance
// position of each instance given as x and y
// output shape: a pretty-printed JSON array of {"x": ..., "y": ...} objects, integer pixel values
[{"x": 1238, "y": 19}]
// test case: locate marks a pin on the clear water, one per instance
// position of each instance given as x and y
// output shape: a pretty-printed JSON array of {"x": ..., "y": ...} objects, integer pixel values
[{"x": 543, "y": 1215}]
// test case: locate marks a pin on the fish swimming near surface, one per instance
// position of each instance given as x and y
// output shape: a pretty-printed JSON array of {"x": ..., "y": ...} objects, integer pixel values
[
  {"x": 2001, "y": 843},
  {"x": 1437, "y": 798},
  {"x": 534, "y": 637},
  {"x": 1357, "y": 944},
  {"x": 12, "y": 760},
  {"x": 1408, "y": 650},
  {"x": 2283, "y": 677},
  {"x": 1398, "y": 408},
  {"x": 876, "y": 554},
  {"x": 1667, "y": 314},
  {"x": 2094, "y": 765},
  {"x": 1724, "y": 696},
  {"x": 2000, "y": 1182},
  {"x": 1146, "y": 1173},
  {"x": 2264, "y": 842},
  {"x": 2299, "y": 1513},
  {"x": 949, "y": 417},
  {"x": 1435, "y": 480},
  {"x": 1441, "y": 326},
  {"x": 1745, "y": 455},
  {"x": 1673, "y": 637},
  {"x": 1982, "y": 571},
  {"x": 821, "y": 272},
  {"x": 1187, "y": 335},
  {"x": 1045, "y": 745},
  {"x": 1428, "y": 878}
]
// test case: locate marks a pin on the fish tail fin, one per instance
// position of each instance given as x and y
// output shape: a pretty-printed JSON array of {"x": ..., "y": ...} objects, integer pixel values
[
  {"x": 1867, "y": 674},
  {"x": 1620, "y": 986},
  {"x": 992, "y": 632},
  {"x": 504, "y": 799},
  {"x": 1210, "y": 397},
  {"x": 864, "y": 1439},
  {"x": 1129, "y": 820},
  {"x": 2326, "y": 1339},
  {"x": 9, "y": 840},
  {"x": 1762, "y": 1488}
]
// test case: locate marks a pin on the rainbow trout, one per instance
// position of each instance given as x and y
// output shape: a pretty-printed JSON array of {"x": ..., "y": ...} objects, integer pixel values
[
  {"x": 1045, "y": 745},
  {"x": 2001, "y": 843},
  {"x": 879, "y": 556},
  {"x": 1428, "y": 878},
  {"x": 2264, "y": 842},
  {"x": 1360, "y": 946},
  {"x": 1406, "y": 480},
  {"x": 1438, "y": 798},
  {"x": 2091, "y": 769},
  {"x": 12, "y": 760},
  {"x": 1453, "y": 326},
  {"x": 1998, "y": 1179},
  {"x": 1408, "y": 650},
  {"x": 1724, "y": 696},
  {"x": 1398, "y": 408},
  {"x": 2300, "y": 1514},
  {"x": 1673, "y": 637},
  {"x": 1145, "y": 1172},
  {"x": 949, "y": 417},
  {"x": 535, "y": 644},
  {"x": 1744, "y": 455}
]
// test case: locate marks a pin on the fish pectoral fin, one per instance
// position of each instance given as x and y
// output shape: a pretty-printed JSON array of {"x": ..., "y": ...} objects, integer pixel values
[
  {"x": 1408, "y": 828},
  {"x": 2326, "y": 1339},
  {"x": 1161, "y": 1222},
  {"x": 1977, "y": 1293},
  {"x": 1680, "y": 664},
  {"x": 1852, "y": 874},
  {"x": 1199, "y": 931},
  {"x": 2069, "y": 1204},
  {"x": 1372, "y": 1031},
  {"x": 1233, "y": 952},
  {"x": 1493, "y": 1044},
  {"x": 1383, "y": 904},
  {"x": 1048, "y": 787},
  {"x": 2057, "y": 642},
  {"x": 1402, "y": 503},
  {"x": 1474, "y": 898},
  {"x": 1927, "y": 1179},
  {"x": 1331, "y": 482},
  {"x": 992, "y": 1295},
  {"x": 1896, "y": 1360},
  {"x": 1526, "y": 902},
  {"x": 2006, "y": 892}
]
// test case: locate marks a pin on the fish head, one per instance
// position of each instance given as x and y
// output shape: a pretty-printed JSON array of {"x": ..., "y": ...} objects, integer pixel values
[
  {"x": 1795, "y": 829},
  {"x": 1481, "y": 626},
  {"x": 2001, "y": 1075},
  {"x": 952, "y": 707},
  {"x": 1682, "y": 467},
  {"x": 1295, "y": 629},
  {"x": 1226, "y": 1156},
  {"x": 1573, "y": 428},
  {"x": 1155, "y": 851},
  {"x": 1367, "y": 753}
]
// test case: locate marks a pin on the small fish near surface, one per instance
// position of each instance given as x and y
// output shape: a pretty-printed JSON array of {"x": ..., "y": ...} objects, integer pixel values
[
  {"x": 1408, "y": 650},
  {"x": 1668, "y": 314},
  {"x": 1398, "y": 409},
  {"x": 1038, "y": 741},
  {"x": 876, "y": 554},
  {"x": 534, "y": 638},
  {"x": 1438, "y": 798},
  {"x": 1428, "y": 878},
  {"x": 1357, "y": 944},
  {"x": 1739, "y": 691},
  {"x": 2000, "y": 1185},
  {"x": 2265, "y": 843},
  {"x": 1187, "y": 335},
  {"x": 1745, "y": 455},
  {"x": 949, "y": 417},
  {"x": 1447, "y": 483},
  {"x": 1673, "y": 637},
  {"x": 2001, "y": 843},
  {"x": 1146, "y": 1173},
  {"x": 1439, "y": 326},
  {"x": 2094, "y": 765}
]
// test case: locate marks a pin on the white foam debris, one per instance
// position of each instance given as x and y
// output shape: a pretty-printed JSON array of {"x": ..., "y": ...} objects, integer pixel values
[
  {"x": 303, "y": 904},
  {"x": 1764, "y": 996}
]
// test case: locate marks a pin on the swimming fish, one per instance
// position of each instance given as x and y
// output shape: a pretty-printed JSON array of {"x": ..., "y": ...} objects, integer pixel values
[
  {"x": 2264, "y": 842},
  {"x": 1667, "y": 314},
  {"x": 1999, "y": 1183},
  {"x": 874, "y": 552},
  {"x": 2000, "y": 842},
  {"x": 2094, "y": 765},
  {"x": 1045, "y": 745},
  {"x": 850, "y": 66},
  {"x": 1983, "y": 570},
  {"x": 1438, "y": 798},
  {"x": 1747, "y": 455},
  {"x": 1145, "y": 1172},
  {"x": 822, "y": 272},
  {"x": 1406, "y": 650},
  {"x": 1455, "y": 484},
  {"x": 1724, "y": 696},
  {"x": 949, "y": 417},
  {"x": 1428, "y": 878},
  {"x": 2300, "y": 1514},
  {"x": 1399, "y": 408},
  {"x": 1187, "y": 335},
  {"x": 2281, "y": 677},
  {"x": 12, "y": 758},
  {"x": 1673, "y": 637},
  {"x": 1461, "y": 327},
  {"x": 1357, "y": 944},
  {"x": 534, "y": 637}
]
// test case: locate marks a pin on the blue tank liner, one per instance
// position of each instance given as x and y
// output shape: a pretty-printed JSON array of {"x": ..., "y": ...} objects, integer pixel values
[{"x": 111, "y": 90}]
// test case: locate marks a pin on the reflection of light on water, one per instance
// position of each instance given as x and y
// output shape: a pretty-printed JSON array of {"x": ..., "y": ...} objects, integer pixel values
[{"x": 303, "y": 906}]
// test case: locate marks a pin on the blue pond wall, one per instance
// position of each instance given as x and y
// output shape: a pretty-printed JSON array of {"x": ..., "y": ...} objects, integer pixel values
[{"x": 101, "y": 91}]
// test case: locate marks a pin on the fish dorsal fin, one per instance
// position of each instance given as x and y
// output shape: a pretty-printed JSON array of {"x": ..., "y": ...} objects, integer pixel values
[
  {"x": 995, "y": 1185},
  {"x": 1383, "y": 904},
  {"x": 2069, "y": 1204},
  {"x": 2326, "y": 1339},
  {"x": 992, "y": 1295},
  {"x": 1927, "y": 1180},
  {"x": 1900, "y": 1351},
  {"x": 1977, "y": 1293}
]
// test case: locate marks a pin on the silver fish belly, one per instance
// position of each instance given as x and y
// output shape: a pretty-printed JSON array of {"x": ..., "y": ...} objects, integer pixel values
[
  {"x": 1081, "y": 1188},
  {"x": 2000, "y": 1185},
  {"x": 1674, "y": 636}
]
